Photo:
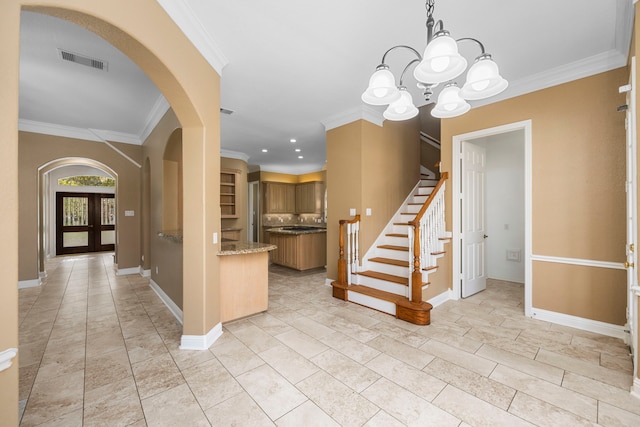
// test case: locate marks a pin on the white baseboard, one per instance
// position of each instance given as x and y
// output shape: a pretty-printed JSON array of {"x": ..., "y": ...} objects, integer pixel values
[
  {"x": 144, "y": 273},
  {"x": 441, "y": 299},
  {"x": 127, "y": 271},
  {"x": 602, "y": 328},
  {"x": 23, "y": 284},
  {"x": 173, "y": 308},
  {"x": 635, "y": 388},
  {"x": 6, "y": 358},
  {"x": 201, "y": 342}
]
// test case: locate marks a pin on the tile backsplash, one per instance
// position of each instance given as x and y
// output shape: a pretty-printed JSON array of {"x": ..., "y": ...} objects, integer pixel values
[{"x": 292, "y": 219}]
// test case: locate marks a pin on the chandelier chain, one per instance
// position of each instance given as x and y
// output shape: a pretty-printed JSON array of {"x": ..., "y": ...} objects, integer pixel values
[{"x": 430, "y": 6}]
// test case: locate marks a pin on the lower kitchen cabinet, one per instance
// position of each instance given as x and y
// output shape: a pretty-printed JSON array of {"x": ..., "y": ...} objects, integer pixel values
[{"x": 299, "y": 251}]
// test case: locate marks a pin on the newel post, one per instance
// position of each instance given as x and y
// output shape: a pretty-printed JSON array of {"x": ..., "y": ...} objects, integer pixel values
[
  {"x": 342, "y": 263},
  {"x": 416, "y": 274}
]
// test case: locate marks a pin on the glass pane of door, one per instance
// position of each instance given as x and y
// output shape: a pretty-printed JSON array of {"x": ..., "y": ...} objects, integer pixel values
[
  {"x": 75, "y": 238},
  {"x": 108, "y": 237},
  {"x": 75, "y": 211},
  {"x": 107, "y": 212}
]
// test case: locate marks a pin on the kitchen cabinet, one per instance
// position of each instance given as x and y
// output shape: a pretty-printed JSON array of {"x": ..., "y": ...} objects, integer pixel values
[
  {"x": 309, "y": 197},
  {"x": 299, "y": 251},
  {"x": 280, "y": 197}
]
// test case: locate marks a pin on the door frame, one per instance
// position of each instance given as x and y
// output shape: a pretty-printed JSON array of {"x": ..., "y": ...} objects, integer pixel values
[
  {"x": 456, "y": 200},
  {"x": 94, "y": 226}
]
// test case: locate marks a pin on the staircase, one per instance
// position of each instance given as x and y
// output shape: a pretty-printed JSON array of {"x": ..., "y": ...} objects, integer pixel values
[{"x": 395, "y": 270}]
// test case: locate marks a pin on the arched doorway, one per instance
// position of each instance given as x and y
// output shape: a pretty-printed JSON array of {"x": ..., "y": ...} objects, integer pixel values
[{"x": 144, "y": 32}]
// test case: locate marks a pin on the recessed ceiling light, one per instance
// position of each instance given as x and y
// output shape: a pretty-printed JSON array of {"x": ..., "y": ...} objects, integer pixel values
[
  {"x": 297, "y": 150},
  {"x": 264, "y": 150},
  {"x": 292, "y": 140},
  {"x": 301, "y": 157}
]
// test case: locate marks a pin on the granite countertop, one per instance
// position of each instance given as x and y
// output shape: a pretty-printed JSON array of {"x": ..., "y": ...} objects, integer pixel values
[
  {"x": 241, "y": 248},
  {"x": 297, "y": 229}
]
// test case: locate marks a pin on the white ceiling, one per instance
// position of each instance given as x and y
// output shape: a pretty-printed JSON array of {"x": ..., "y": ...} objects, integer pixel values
[{"x": 293, "y": 69}]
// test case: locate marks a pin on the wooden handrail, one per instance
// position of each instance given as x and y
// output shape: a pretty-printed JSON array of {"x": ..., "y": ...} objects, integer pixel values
[
  {"x": 416, "y": 274},
  {"x": 342, "y": 263}
]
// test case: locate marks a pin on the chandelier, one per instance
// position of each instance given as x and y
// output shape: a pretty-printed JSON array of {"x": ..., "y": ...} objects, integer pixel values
[{"x": 441, "y": 63}]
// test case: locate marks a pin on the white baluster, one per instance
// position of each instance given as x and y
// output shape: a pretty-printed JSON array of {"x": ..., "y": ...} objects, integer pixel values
[{"x": 348, "y": 254}]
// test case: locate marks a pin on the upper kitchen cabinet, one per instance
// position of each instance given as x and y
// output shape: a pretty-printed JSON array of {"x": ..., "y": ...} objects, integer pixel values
[
  {"x": 280, "y": 197},
  {"x": 309, "y": 197}
]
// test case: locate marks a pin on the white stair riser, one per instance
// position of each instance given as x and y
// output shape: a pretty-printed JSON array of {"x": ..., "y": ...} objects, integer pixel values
[
  {"x": 383, "y": 285},
  {"x": 393, "y": 254},
  {"x": 414, "y": 209},
  {"x": 424, "y": 191},
  {"x": 433, "y": 182},
  {"x": 389, "y": 269},
  {"x": 368, "y": 301},
  {"x": 396, "y": 241}
]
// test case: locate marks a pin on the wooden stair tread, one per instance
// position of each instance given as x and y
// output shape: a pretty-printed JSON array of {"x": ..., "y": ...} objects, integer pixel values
[
  {"x": 395, "y": 248},
  {"x": 377, "y": 293},
  {"x": 433, "y": 267},
  {"x": 401, "y": 223},
  {"x": 390, "y": 261},
  {"x": 384, "y": 276},
  {"x": 397, "y": 235},
  {"x": 438, "y": 253}
]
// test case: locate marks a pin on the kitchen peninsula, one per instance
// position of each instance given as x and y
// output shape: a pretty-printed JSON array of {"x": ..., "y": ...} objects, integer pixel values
[
  {"x": 300, "y": 247},
  {"x": 244, "y": 278}
]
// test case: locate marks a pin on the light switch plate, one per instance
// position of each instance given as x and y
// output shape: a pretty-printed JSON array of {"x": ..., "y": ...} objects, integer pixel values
[
  {"x": 368, "y": 212},
  {"x": 352, "y": 212},
  {"x": 129, "y": 213}
]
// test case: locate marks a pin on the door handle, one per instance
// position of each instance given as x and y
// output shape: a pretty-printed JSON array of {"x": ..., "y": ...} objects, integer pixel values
[
  {"x": 628, "y": 264},
  {"x": 485, "y": 236}
]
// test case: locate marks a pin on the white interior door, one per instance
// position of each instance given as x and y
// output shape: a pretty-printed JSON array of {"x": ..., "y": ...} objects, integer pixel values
[
  {"x": 474, "y": 273},
  {"x": 632, "y": 206}
]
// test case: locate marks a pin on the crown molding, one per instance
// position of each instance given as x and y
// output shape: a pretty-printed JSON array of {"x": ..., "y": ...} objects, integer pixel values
[
  {"x": 187, "y": 20},
  {"x": 156, "y": 114},
  {"x": 363, "y": 112},
  {"x": 587, "y": 67},
  {"x": 293, "y": 170},
  {"x": 233, "y": 155},
  {"x": 96, "y": 135}
]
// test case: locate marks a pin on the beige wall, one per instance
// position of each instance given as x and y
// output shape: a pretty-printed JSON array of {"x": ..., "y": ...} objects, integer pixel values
[
  {"x": 578, "y": 188},
  {"x": 242, "y": 196},
  {"x": 634, "y": 51},
  {"x": 368, "y": 167},
  {"x": 163, "y": 253},
  {"x": 35, "y": 151},
  {"x": 145, "y": 33}
]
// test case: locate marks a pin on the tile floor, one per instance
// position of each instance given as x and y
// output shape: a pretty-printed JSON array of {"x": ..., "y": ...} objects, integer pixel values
[{"x": 97, "y": 349}]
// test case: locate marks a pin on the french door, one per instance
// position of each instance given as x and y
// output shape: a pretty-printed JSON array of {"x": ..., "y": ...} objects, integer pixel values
[{"x": 85, "y": 222}]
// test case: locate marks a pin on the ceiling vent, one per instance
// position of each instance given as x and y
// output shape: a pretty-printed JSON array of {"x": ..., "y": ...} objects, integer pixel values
[
  {"x": 225, "y": 111},
  {"x": 98, "y": 64}
]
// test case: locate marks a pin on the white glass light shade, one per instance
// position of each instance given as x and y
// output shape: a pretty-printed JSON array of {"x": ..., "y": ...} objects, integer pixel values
[
  {"x": 402, "y": 109},
  {"x": 382, "y": 88},
  {"x": 483, "y": 80},
  {"x": 450, "y": 104},
  {"x": 441, "y": 61}
]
